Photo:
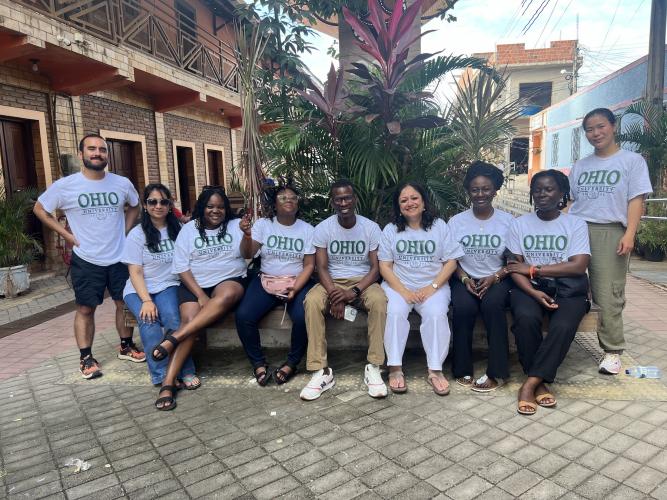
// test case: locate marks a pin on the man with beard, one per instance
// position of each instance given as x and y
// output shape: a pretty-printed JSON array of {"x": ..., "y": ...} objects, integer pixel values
[{"x": 94, "y": 202}]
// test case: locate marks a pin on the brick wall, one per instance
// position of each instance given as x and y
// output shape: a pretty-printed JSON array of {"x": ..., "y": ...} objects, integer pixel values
[
  {"x": 22, "y": 98},
  {"x": 99, "y": 113},
  {"x": 516, "y": 53},
  {"x": 185, "y": 129}
]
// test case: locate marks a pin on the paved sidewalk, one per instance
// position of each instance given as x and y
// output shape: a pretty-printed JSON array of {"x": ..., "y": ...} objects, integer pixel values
[
  {"x": 44, "y": 294},
  {"x": 606, "y": 439}
]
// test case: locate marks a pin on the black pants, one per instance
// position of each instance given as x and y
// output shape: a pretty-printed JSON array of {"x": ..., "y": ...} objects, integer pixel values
[
  {"x": 465, "y": 308},
  {"x": 541, "y": 356}
]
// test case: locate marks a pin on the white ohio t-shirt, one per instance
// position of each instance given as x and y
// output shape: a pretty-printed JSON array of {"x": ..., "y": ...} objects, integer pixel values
[
  {"x": 483, "y": 241},
  {"x": 283, "y": 247},
  {"x": 158, "y": 274},
  {"x": 548, "y": 242},
  {"x": 418, "y": 255},
  {"x": 211, "y": 259},
  {"x": 348, "y": 249},
  {"x": 602, "y": 187},
  {"x": 95, "y": 213}
]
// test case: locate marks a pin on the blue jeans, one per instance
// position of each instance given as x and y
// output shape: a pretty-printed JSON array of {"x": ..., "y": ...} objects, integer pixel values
[
  {"x": 255, "y": 305},
  {"x": 151, "y": 334}
]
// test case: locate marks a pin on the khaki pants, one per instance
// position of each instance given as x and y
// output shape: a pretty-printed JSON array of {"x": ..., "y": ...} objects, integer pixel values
[
  {"x": 607, "y": 272},
  {"x": 316, "y": 305}
]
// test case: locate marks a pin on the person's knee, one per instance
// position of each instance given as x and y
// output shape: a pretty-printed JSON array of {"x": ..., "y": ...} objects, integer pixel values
[
  {"x": 85, "y": 311},
  {"x": 377, "y": 303},
  {"x": 170, "y": 320},
  {"x": 464, "y": 308},
  {"x": 314, "y": 302}
]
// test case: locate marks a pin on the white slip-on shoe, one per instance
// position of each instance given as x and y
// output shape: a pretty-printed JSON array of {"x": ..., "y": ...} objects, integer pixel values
[
  {"x": 373, "y": 379},
  {"x": 319, "y": 383},
  {"x": 610, "y": 364}
]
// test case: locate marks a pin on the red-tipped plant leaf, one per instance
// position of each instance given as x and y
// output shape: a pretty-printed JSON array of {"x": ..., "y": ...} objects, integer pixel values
[
  {"x": 362, "y": 32},
  {"x": 396, "y": 15},
  {"x": 376, "y": 16}
]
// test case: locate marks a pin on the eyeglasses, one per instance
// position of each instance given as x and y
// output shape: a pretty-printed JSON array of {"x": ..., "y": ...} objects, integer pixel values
[
  {"x": 284, "y": 198},
  {"x": 152, "y": 202}
]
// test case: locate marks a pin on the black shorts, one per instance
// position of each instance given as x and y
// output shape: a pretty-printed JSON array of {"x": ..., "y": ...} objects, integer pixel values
[
  {"x": 185, "y": 295},
  {"x": 90, "y": 281}
]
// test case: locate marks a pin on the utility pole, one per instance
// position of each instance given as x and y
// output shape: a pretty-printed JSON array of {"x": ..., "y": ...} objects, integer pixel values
[
  {"x": 575, "y": 60},
  {"x": 655, "y": 81}
]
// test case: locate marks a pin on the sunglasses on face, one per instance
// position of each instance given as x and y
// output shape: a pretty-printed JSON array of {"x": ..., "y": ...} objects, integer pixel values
[{"x": 152, "y": 202}]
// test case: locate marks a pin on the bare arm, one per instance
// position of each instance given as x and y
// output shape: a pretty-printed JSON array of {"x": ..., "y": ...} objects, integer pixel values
[
  {"x": 50, "y": 222},
  {"x": 635, "y": 211},
  {"x": 248, "y": 247},
  {"x": 322, "y": 262},
  {"x": 574, "y": 266},
  {"x": 131, "y": 215},
  {"x": 148, "y": 309}
]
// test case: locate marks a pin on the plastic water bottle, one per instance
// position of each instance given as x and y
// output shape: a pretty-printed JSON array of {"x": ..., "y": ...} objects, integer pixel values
[{"x": 644, "y": 372}]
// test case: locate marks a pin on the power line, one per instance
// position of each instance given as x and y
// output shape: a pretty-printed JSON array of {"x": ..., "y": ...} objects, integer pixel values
[
  {"x": 535, "y": 16},
  {"x": 611, "y": 23},
  {"x": 539, "y": 39}
]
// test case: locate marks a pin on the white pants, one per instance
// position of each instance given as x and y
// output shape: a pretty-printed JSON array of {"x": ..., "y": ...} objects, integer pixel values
[{"x": 434, "y": 326}]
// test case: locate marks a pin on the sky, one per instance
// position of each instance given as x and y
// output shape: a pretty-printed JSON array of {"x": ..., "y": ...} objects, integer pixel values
[{"x": 612, "y": 33}]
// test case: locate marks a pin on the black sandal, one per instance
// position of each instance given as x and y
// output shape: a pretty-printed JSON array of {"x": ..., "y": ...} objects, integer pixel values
[
  {"x": 163, "y": 353},
  {"x": 264, "y": 377},
  {"x": 166, "y": 399},
  {"x": 281, "y": 376}
]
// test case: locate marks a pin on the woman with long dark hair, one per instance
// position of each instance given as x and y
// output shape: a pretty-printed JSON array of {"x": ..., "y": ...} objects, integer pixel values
[
  {"x": 285, "y": 243},
  {"x": 550, "y": 256},
  {"x": 608, "y": 189},
  {"x": 417, "y": 256},
  {"x": 151, "y": 292},
  {"x": 208, "y": 260},
  {"x": 480, "y": 284}
]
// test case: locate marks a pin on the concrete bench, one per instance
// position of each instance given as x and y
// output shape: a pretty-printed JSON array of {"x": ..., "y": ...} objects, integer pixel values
[{"x": 341, "y": 334}]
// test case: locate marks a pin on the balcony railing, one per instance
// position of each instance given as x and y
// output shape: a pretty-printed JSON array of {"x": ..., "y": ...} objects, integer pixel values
[{"x": 152, "y": 27}]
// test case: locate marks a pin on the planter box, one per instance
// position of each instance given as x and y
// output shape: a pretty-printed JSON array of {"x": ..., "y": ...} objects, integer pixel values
[{"x": 14, "y": 280}]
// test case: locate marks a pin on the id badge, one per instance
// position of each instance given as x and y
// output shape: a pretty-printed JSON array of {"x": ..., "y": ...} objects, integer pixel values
[{"x": 350, "y": 313}]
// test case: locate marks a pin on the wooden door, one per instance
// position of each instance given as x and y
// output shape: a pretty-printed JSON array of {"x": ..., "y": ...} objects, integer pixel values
[
  {"x": 185, "y": 179},
  {"x": 215, "y": 175},
  {"x": 18, "y": 164},
  {"x": 122, "y": 160}
]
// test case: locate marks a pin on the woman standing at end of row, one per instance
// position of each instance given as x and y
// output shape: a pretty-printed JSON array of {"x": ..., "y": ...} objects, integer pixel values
[{"x": 608, "y": 189}]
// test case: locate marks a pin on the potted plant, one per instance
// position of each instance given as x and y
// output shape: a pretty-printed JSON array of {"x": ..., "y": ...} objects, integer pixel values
[
  {"x": 17, "y": 249},
  {"x": 652, "y": 234}
]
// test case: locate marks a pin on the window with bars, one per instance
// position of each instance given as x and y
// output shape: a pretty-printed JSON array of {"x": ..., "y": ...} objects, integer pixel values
[
  {"x": 575, "y": 152},
  {"x": 554, "y": 150}
]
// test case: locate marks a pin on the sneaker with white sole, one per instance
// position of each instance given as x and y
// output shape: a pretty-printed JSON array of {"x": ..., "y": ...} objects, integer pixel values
[
  {"x": 373, "y": 379},
  {"x": 610, "y": 364},
  {"x": 319, "y": 383}
]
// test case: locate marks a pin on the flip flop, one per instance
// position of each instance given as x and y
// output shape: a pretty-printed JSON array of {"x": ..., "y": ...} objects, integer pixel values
[
  {"x": 465, "y": 381},
  {"x": 523, "y": 404},
  {"x": 544, "y": 396},
  {"x": 481, "y": 380},
  {"x": 439, "y": 392},
  {"x": 191, "y": 382},
  {"x": 168, "y": 402},
  {"x": 396, "y": 376}
]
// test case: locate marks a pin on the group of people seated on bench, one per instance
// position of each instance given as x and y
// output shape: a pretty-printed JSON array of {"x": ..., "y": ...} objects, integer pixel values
[{"x": 184, "y": 278}]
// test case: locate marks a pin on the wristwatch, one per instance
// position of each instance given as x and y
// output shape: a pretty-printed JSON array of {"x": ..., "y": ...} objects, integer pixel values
[
  {"x": 356, "y": 290},
  {"x": 435, "y": 285}
]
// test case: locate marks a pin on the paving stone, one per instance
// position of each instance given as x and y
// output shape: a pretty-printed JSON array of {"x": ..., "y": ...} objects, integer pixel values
[
  {"x": 571, "y": 475},
  {"x": 379, "y": 475},
  {"x": 528, "y": 454},
  {"x": 431, "y": 466},
  {"x": 163, "y": 489},
  {"x": 596, "y": 459},
  {"x": 574, "y": 449},
  {"x": 419, "y": 491},
  {"x": 520, "y": 482},
  {"x": 623, "y": 492},
  {"x": 108, "y": 483},
  {"x": 330, "y": 481},
  {"x": 544, "y": 490},
  {"x": 315, "y": 470},
  {"x": 498, "y": 470},
  {"x": 276, "y": 488},
  {"x": 304, "y": 460},
  {"x": 645, "y": 479},
  {"x": 618, "y": 443},
  {"x": 620, "y": 468},
  {"x": 414, "y": 457},
  {"x": 396, "y": 484},
  {"x": 194, "y": 475},
  {"x": 449, "y": 477},
  {"x": 508, "y": 445},
  {"x": 212, "y": 484},
  {"x": 596, "y": 487},
  {"x": 641, "y": 452},
  {"x": 369, "y": 462},
  {"x": 494, "y": 493},
  {"x": 470, "y": 488},
  {"x": 264, "y": 477},
  {"x": 350, "y": 455}
]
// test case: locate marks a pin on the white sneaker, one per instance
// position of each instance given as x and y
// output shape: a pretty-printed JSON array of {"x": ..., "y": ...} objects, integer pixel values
[
  {"x": 317, "y": 385},
  {"x": 610, "y": 364},
  {"x": 373, "y": 379}
]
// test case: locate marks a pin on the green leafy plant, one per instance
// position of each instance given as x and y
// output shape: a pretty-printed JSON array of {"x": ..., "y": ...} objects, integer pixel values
[
  {"x": 16, "y": 246},
  {"x": 652, "y": 233},
  {"x": 644, "y": 124}
]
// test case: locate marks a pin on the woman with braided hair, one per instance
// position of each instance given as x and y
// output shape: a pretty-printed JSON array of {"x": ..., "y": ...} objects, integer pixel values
[{"x": 551, "y": 254}]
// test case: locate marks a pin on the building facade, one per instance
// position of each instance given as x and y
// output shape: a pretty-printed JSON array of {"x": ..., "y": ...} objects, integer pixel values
[
  {"x": 157, "y": 79},
  {"x": 538, "y": 76},
  {"x": 557, "y": 139}
]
